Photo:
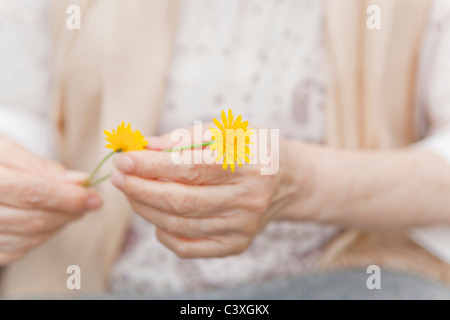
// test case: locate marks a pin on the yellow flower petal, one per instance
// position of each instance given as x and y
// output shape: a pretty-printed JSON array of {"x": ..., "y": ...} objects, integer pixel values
[
  {"x": 224, "y": 120},
  {"x": 230, "y": 119},
  {"x": 125, "y": 139},
  {"x": 218, "y": 124},
  {"x": 233, "y": 148}
]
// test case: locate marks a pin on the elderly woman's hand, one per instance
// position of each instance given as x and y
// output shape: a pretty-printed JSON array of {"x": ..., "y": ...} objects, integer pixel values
[
  {"x": 37, "y": 197},
  {"x": 201, "y": 210}
]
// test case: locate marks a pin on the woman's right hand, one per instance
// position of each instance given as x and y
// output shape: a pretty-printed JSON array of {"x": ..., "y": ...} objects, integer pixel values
[{"x": 37, "y": 198}]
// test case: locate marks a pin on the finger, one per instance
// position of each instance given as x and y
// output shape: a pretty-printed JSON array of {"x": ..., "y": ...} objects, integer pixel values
[
  {"x": 192, "y": 248},
  {"x": 159, "y": 165},
  {"x": 16, "y": 221},
  {"x": 177, "y": 198},
  {"x": 72, "y": 176},
  {"x": 8, "y": 258},
  {"x": 193, "y": 228},
  {"x": 19, "y": 244},
  {"x": 160, "y": 143},
  {"x": 16, "y": 157},
  {"x": 21, "y": 190}
]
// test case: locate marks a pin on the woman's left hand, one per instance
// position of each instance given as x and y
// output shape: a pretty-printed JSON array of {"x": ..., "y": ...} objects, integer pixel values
[{"x": 201, "y": 210}]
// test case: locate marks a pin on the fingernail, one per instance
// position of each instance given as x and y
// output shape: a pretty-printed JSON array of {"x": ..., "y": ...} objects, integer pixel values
[
  {"x": 124, "y": 163},
  {"x": 117, "y": 179},
  {"x": 93, "y": 202},
  {"x": 73, "y": 176}
]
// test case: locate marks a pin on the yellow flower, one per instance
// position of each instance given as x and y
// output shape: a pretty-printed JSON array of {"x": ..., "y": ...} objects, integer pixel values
[
  {"x": 125, "y": 139},
  {"x": 231, "y": 140}
]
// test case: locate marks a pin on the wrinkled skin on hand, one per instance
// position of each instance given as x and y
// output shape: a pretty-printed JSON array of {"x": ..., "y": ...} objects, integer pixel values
[
  {"x": 37, "y": 198},
  {"x": 200, "y": 210}
]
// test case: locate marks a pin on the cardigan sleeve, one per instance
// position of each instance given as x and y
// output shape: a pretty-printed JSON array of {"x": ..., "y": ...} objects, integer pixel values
[{"x": 25, "y": 59}]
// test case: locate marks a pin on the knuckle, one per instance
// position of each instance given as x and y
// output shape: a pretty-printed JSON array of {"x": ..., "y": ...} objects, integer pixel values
[
  {"x": 34, "y": 194},
  {"x": 191, "y": 173},
  {"x": 175, "y": 225},
  {"x": 183, "y": 204},
  {"x": 260, "y": 203},
  {"x": 40, "y": 222}
]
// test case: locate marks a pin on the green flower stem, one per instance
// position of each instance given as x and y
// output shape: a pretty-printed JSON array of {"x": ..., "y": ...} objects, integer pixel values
[
  {"x": 98, "y": 181},
  {"x": 205, "y": 144},
  {"x": 88, "y": 182}
]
